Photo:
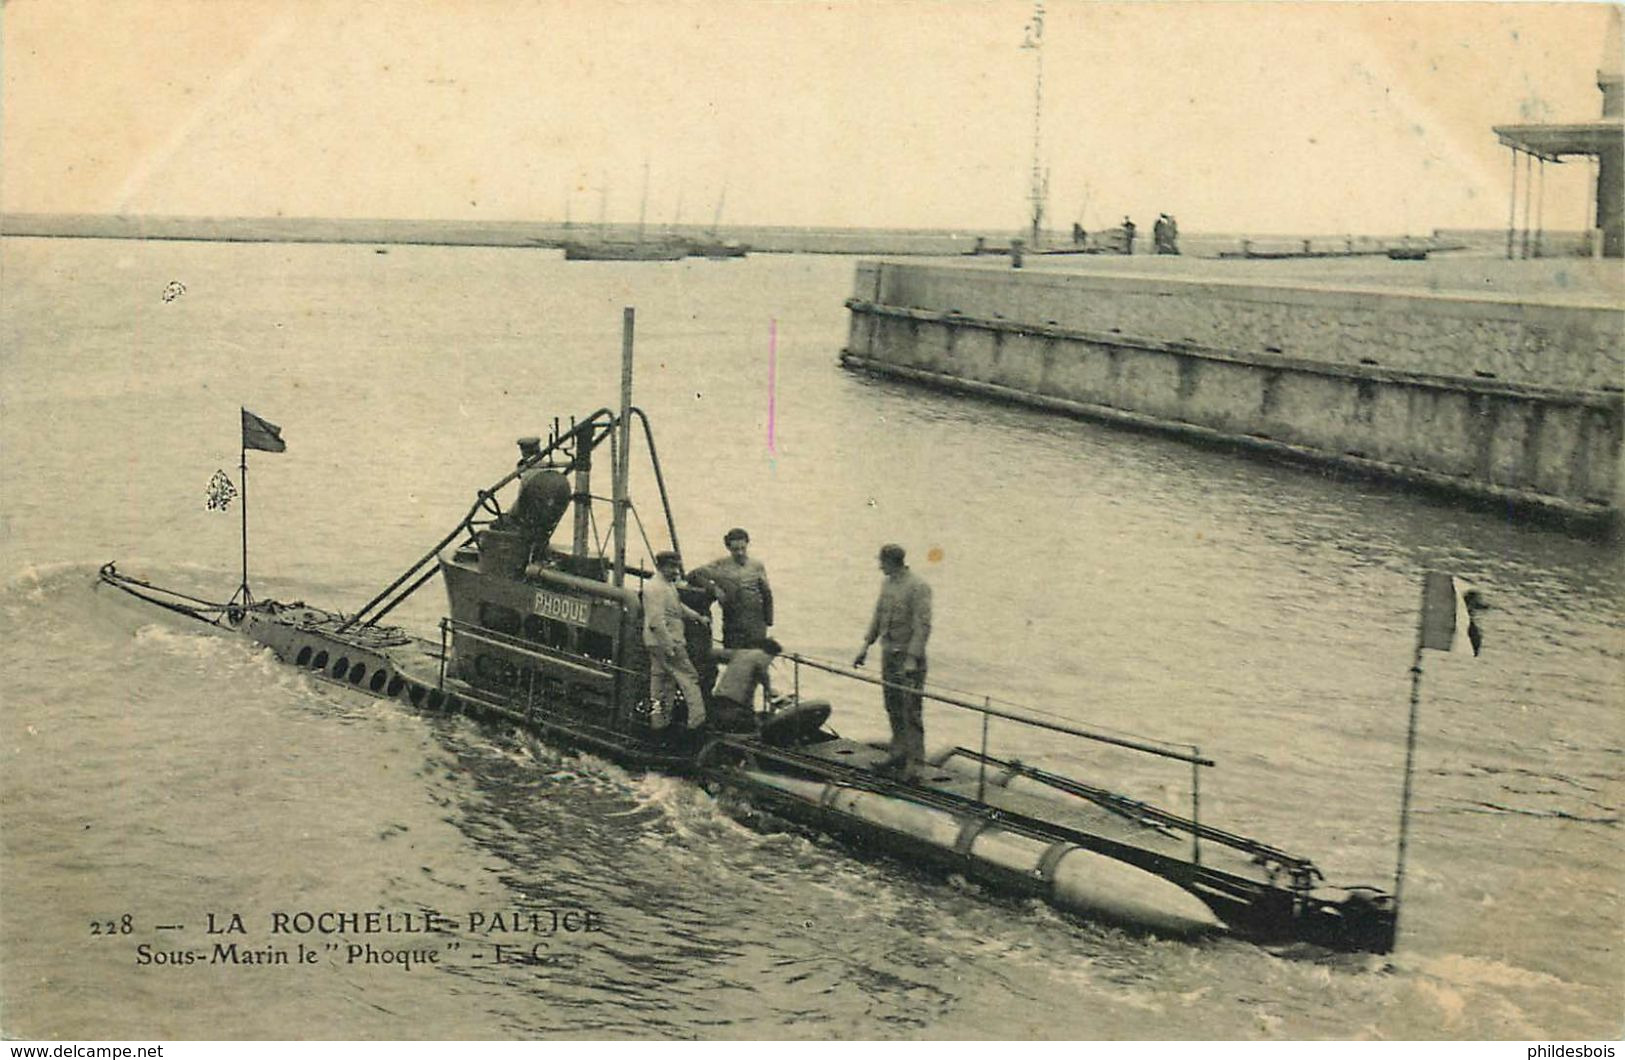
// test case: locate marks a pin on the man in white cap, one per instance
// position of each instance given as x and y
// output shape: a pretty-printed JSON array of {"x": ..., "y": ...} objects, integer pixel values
[{"x": 669, "y": 664}]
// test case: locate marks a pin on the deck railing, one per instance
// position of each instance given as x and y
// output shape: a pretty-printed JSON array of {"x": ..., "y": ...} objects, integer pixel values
[{"x": 986, "y": 709}]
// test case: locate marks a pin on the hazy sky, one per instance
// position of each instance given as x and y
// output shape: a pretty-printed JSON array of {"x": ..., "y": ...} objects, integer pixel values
[{"x": 911, "y": 113}]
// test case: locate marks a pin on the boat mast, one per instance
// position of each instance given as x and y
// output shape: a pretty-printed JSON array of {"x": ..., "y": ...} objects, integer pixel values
[
  {"x": 643, "y": 206},
  {"x": 716, "y": 218},
  {"x": 624, "y": 445},
  {"x": 603, "y": 207},
  {"x": 1034, "y": 42}
]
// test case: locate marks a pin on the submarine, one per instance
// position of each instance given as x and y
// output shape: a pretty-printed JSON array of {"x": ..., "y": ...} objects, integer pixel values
[{"x": 542, "y": 631}]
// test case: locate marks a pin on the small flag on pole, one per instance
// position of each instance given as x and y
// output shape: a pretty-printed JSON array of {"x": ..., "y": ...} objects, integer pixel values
[
  {"x": 1448, "y": 604},
  {"x": 261, "y": 434},
  {"x": 221, "y": 491}
]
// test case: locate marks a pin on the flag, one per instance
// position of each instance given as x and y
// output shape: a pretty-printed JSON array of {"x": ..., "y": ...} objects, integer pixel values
[
  {"x": 1447, "y": 623},
  {"x": 261, "y": 434},
  {"x": 221, "y": 491}
]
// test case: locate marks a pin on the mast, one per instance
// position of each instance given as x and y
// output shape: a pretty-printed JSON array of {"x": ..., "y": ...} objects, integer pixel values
[
  {"x": 716, "y": 218},
  {"x": 1034, "y": 42},
  {"x": 603, "y": 207},
  {"x": 623, "y": 445},
  {"x": 643, "y": 205},
  {"x": 242, "y": 473}
]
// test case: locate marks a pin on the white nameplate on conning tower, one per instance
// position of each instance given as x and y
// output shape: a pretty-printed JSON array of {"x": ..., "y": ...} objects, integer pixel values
[{"x": 563, "y": 608}]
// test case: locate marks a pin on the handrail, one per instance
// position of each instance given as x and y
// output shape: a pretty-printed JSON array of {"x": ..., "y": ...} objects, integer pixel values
[
  {"x": 660, "y": 480},
  {"x": 590, "y": 431},
  {"x": 549, "y": 656},
  {"x": 986, "y": 711},
  {"x": 1300, "y": 867},
  {"x": 464, "y": 523},
  {"x": 401, "y": 599}
]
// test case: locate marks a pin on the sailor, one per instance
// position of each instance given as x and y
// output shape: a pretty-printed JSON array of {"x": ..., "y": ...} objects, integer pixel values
[
  {"x": 902, "y": 624},
  {"x": 740, "y": 583},
  {"x": 669, "y": 665},
  {"x": 1128, "y": 235},
  {"x": 530, "y": 448},
  {"x": 697, "y": 635},
  {"x": 733, "y": 703}
]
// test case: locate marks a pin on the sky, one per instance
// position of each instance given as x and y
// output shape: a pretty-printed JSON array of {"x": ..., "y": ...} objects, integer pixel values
[{"x": 1235, "y": 117}]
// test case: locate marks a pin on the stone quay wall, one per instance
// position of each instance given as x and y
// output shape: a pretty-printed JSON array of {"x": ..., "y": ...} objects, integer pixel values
[{"x": 1495, "y": 399}]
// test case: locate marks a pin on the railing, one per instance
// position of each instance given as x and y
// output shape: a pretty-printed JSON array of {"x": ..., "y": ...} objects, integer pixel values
[
  {"x": 986, "y": 709},
  {"x": 589, "y": 431},
  {"x": 534, "y": 652}
]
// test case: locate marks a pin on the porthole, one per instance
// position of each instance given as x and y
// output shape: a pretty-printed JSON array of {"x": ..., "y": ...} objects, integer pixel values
[
  {"x": 357, "y": 673},
  {"x": 303, "y": 658},
  {"x": 320, "y": 662},
  {"x": 341, "y": 667}
]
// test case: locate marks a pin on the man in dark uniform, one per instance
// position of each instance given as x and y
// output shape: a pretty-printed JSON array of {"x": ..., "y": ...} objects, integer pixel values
[{"x": 740, "y": 583}]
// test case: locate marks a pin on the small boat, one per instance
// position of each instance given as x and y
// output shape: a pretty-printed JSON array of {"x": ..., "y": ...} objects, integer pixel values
[
  {"x": 546, "y": 637},
  {"x": 711, "y": 247},
  {"x": 1407, "y": 251},
  {"x": 639, "y": 249}
]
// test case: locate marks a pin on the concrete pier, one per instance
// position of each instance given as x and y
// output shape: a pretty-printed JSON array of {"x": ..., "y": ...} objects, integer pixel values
[{"x": 1497, "y": 398}]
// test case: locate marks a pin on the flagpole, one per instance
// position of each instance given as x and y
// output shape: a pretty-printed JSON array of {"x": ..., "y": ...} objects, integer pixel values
[
  {"x": 1410, "y": 759},
  {"x": 242, "y": 470}
]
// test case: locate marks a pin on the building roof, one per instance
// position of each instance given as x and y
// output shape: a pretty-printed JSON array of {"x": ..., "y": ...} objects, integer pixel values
[{"x": 1552, "y": 142}]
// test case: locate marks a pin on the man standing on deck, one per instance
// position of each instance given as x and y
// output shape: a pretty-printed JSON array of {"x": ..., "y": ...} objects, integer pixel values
[
  {"x": 669, "y": 665},
  {"x": 741, "y": 584},
  {"x": 902, "y": 624}
]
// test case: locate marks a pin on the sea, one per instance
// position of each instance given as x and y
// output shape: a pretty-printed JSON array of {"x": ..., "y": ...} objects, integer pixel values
[{"x": 181, "y": 814}]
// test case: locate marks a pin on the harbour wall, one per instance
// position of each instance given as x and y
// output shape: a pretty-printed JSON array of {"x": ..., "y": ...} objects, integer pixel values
[{"x": 1492, "y": 398}]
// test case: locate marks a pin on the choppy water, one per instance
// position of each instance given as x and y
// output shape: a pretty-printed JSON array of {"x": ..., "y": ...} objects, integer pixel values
[{"x": 1120, "y": 580}]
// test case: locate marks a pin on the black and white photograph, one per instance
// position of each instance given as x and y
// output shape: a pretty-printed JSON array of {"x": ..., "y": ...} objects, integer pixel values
[{"x": 884, "y": 520}]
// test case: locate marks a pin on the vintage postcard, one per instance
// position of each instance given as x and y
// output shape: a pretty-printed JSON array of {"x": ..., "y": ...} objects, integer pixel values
[{"x": 898, "y": 519}]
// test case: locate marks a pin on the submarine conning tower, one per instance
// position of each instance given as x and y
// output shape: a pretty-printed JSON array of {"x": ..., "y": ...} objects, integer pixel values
[
  {"x": 551, "y": 628},
  {"x": 525, "y": 532}
]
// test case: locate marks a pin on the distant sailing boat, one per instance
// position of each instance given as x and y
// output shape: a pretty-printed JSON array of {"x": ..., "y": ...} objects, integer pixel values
[
  {"x": 605, "y": 249},
  {"x": 711, "y": 246}
]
